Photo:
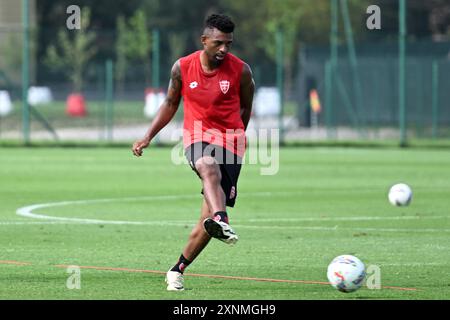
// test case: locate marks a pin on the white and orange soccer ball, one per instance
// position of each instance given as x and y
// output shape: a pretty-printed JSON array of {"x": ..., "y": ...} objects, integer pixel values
[
  {"x": 400, "y": 195},
  {"x": 346, "y": 273}
]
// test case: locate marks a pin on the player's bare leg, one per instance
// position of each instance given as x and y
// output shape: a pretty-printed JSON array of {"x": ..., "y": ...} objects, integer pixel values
[
  {"x": 198, "y": 239},
  {"x": 217, "y": 225},
  {"x": 213, "y": 222},
  {"x": 210, "y": 174}
]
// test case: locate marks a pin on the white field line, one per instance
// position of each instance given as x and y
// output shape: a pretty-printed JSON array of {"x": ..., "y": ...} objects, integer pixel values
[
  {"x": 353, "y": 218},
  {"x": 337, "y": 228},
  {"x": 414, "y": 264},
  {"x": 179, "y": 223},
  {"x": 27, "y": 211}
]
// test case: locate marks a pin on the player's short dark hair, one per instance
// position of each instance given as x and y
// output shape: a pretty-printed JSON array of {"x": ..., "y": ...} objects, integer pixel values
[{"x": 221, "y": 22}]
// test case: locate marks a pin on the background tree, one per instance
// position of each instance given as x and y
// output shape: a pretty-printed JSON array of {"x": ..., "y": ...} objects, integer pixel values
[
  {"x": 74, "y": 53},
  {"x": 121, "y": 53},
  {"x": 304, "y": 22},
  {"x": 11, "y": 58},
  {"x": 133, "y": 45},
  {"x": 139, "y": 41},
  {"x": 300, "y": 21},
  {"x": 177, "y": 44}
]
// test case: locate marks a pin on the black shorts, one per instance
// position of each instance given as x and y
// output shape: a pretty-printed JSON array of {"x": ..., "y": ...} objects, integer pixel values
[{"x": 229, "y": 163}]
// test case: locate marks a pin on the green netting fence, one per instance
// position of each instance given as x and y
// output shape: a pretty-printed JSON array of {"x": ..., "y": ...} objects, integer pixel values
[
  {"x": 362, "y": 101},
  {"x": 358, "y": 102}
]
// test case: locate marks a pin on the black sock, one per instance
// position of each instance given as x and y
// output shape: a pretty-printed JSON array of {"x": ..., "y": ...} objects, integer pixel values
[
  {"x": 221, "y": 216},
  {"x": 181, "y": 264}
]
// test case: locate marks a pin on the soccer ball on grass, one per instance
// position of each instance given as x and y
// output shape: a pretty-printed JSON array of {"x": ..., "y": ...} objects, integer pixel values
[
  {"x": 400, "y": 195},
  {"x": 346, "y": 273}
]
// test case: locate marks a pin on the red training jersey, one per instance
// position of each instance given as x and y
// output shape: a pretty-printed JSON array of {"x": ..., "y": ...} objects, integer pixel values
[{"x": 212, "y": 103}]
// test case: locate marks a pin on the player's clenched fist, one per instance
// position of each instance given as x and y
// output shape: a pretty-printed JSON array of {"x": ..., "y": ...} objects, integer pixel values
[{"x": 138, "y": 147}]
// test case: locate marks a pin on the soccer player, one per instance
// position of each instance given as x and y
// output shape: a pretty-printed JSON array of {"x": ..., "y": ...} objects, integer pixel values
[{"x": 217, "y": 90}]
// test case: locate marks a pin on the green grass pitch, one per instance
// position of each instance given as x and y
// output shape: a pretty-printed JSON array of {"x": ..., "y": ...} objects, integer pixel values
[{"x": 322, "y": 203}]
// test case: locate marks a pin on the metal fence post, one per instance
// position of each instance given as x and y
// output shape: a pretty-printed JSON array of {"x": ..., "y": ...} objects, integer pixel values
[
  {"x": 401, "y": 71},
  {"x": 25, "y": 72},
  {"x": 280, "y": 79},
  {"x": 435, "y": 99},
  {"x": 109, "y": 106}
]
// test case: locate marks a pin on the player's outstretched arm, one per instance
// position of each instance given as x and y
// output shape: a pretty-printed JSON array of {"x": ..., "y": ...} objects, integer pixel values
[
  {"x": 247, "y": 91},
  {"x": 166, "y": 111}
]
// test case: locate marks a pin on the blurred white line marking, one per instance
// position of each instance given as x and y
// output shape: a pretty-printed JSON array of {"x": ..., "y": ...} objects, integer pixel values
[{"x": 27, "y": 211}]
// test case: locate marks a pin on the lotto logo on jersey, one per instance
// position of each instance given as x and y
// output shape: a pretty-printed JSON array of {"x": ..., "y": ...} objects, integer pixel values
[
  {"x": 224, "y": 86},
  {"x": 193, "y": 85}
]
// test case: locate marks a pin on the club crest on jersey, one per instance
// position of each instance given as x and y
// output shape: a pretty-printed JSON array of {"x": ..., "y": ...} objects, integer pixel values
[{"x": 224, "y": 86}]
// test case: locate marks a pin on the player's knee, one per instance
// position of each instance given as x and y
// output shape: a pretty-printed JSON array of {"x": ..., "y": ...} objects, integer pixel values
[
  {"x": 209, "y": 171},
  {"x": 212, "y": 175}
]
